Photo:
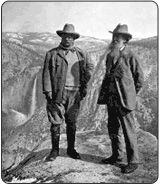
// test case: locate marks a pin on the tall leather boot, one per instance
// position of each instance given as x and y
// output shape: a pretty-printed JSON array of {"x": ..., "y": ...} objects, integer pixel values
[
  {"x": 55, "y": 136},
  {"x": 71, "y": 132}
]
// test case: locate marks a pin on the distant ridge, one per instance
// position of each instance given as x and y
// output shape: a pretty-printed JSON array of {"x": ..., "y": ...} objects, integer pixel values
[{"x": 150, "y": 42}]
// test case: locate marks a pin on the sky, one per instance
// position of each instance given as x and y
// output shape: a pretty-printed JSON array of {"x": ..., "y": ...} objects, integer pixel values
[{"x": 93, "y": 19}]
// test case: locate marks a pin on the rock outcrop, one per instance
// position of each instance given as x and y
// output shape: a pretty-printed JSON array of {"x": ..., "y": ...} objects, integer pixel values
[{"x": 93, "y": 147}]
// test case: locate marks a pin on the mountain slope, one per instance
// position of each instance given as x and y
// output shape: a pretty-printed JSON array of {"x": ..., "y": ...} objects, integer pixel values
[{"x": 149, "y": 43}]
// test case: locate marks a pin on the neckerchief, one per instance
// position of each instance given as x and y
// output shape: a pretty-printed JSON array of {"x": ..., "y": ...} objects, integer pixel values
[{"x": 67, "y": 49}]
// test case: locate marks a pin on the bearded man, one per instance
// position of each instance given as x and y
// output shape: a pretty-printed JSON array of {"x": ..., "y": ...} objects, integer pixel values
[
  {"x": 123, "y": 81},
  {"x": 66, "y": 74}
]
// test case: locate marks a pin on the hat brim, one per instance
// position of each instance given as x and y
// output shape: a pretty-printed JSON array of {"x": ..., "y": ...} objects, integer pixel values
[
  {"x": 123, "y": 33},
  {"x": 74, "y": 34}
]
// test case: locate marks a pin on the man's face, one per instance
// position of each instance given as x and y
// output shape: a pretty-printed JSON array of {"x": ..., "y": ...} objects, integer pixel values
[
  {"x": 118, "y": 40},
  {"x": 67, "y": 40}
]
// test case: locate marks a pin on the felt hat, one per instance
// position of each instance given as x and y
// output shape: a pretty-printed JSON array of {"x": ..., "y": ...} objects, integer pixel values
[
  {"x": 122, "y": 29},
  {"x": 68, "y": 29}
]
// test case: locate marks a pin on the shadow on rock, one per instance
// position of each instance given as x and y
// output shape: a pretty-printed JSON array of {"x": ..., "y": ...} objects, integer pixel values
[
  {"x": 42, "y": 154},
  {"x": 91, "y": 158},
  {"x": 84, "y": 157}
]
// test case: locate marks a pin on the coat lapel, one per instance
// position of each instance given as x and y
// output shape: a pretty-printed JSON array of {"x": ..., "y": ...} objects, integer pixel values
[
  {"x": 115, "y": 66},
  {"x": 80, "y": 58},
  {"x": 109, "y": 64},
  {"x": 61, "y": 54}
]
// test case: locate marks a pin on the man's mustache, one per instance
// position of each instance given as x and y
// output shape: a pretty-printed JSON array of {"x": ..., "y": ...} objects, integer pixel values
[{"x": 113, "y": 45}]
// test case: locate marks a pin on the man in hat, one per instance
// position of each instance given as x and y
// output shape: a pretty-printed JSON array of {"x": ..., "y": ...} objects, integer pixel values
[
  {"x": 122, "y": 82},
  {"x": 66, "y": 73}
]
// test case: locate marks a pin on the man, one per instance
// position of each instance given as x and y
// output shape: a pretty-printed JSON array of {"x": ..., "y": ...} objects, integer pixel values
[
  {"x": 123, "y": 81},
  {"x": 66, "y": 74}
]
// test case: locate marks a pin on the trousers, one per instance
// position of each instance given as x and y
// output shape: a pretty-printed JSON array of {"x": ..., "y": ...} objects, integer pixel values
[
  {"x": 66, "y": 111},
  {"x": 121, "y": 122}
]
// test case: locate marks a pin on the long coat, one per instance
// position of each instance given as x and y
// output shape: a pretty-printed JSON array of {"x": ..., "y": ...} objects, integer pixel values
[
  {"x": 124, "y": 79},
  {"x": 55, "y": 70}
]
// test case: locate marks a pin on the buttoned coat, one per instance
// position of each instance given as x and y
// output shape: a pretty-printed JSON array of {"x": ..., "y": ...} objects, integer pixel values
[
  {"x": 124, "y": 79},
  {"x": 55, "y": 69}
]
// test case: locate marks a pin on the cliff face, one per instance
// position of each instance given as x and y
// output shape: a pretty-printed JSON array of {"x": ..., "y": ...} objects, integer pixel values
[
  {"x": 20, "y": 78},
  {"x": 24, "y": 120}
]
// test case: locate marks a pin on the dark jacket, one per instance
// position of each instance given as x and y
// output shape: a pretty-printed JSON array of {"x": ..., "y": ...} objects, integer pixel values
[
  {"x": 55, "y": 69},
  {"x": 124, "y": 79}
]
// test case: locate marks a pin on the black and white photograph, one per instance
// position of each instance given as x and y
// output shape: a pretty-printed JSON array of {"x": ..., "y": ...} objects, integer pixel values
[{"x": 79, "y": 92}]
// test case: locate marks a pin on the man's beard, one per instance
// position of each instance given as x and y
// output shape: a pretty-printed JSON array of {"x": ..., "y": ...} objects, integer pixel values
[{"x": 114, "y": 49}]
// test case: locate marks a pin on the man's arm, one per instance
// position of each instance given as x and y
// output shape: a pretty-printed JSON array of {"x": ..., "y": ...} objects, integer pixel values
[
  {"x": 46, "y": 79},
  {"x": 137, "y": 73}
]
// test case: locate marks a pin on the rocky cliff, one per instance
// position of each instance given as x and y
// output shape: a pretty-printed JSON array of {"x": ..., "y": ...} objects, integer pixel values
[
  {"x": 25, "y": 126},
  {"x": 93, "y": 147}
]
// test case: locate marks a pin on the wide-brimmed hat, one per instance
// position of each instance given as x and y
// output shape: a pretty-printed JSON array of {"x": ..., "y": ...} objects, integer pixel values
[
  {"x": 122, "y": 29},
  {"x": 68, "y": 29}
]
